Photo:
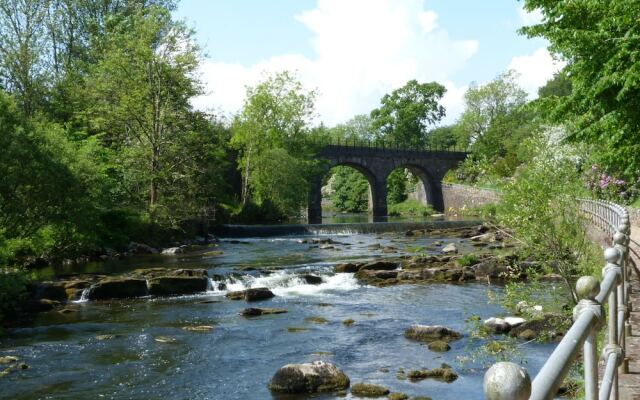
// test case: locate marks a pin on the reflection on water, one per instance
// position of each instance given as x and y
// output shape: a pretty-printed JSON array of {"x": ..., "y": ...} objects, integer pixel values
[{"x": 150, "y": 356}]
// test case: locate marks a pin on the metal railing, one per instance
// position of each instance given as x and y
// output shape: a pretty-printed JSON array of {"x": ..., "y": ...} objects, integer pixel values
[
  {"x": 382, "y": 144},
  {"x": 506, "y": 381}
]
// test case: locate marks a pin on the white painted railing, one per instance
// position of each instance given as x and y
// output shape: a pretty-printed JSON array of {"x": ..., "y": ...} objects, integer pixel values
[{"x": 509, "y": 381}]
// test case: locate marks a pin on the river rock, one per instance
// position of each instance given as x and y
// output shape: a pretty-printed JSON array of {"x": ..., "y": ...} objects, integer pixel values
[
  {"x": 445, "y": 373},
  {"x": 496, "y": 325},
  {"x": 315, "y": 377},
  {"x": 431, "y": 333},
  {"x": 40, "y": 305},
  {"x": 347, "y": 267},
  {"x": 371, "y": 276},
  {"x": 490, "y": 268},
  {"x": 253, "y": 294},
  {"x": 141, "y": 248},
  {"x": 311, "y": 279},
  {"x": 254, "y": 312},
  {"x": 451, "y": 248},
  {"x": 369, "y": 390},
  {"x": 380, "y": 265},
  {"x": 439, "y": 346},
  {"x": 177, "y": 285},
  {"x": 117, "y": 288},
  {"x": 51, "y": 290}
]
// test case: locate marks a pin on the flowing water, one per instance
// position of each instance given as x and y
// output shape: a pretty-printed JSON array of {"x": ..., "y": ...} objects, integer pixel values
[{"x": 238, "y": 357}]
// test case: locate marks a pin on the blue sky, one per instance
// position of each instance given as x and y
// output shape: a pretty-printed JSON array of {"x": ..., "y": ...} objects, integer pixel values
[{"x": 355, "y": 51}]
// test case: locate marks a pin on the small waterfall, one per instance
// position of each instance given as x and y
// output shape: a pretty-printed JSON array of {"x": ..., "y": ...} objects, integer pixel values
[
  {"x": 245, "y": 231},
  {"x": 84, "y": 297},
  {"x": 288, "y": 283}
]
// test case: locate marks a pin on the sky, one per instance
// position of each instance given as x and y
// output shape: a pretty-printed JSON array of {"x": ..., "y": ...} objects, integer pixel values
[{"x": 353, "y": 52}]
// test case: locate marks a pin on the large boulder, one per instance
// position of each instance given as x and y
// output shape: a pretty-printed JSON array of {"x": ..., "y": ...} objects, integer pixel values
[
  {"x": 253, "y": 294},
  {"x": 311, "y": 279},
  {"x": 141, "y": 248},
  {"x": 431, "y": 333},
  {"x": 380, "y": 265},
  {"x": 50, "y": 290},
  {"x": 177, "y": 285},
  {"x": 117, "y": 288},
  {"x": 315, "y": 377},
  {"x": 347, "y": 267}
]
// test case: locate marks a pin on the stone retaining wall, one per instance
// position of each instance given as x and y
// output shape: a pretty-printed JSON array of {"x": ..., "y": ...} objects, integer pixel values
[{"x": 457, "y": 197}]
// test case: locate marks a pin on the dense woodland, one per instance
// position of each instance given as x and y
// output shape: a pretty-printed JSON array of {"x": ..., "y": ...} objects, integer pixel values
[{"x": 101, "y": 146}]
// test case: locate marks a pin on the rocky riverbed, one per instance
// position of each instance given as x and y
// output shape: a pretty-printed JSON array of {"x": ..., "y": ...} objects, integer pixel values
[{"x": 218, "y": 321}]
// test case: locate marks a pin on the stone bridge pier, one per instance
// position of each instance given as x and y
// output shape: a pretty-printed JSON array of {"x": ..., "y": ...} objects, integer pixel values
[{"x": 376, "y": 164}]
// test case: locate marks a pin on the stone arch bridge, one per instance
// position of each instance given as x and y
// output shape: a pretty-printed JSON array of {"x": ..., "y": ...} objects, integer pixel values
[{"x": 376, "y": 163}]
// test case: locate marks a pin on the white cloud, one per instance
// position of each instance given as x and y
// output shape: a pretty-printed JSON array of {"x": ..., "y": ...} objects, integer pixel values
[
  {"x": 529, "y": 18},
  {"x": 535, "y": 69},
  {"x": 363, "y": 49}
]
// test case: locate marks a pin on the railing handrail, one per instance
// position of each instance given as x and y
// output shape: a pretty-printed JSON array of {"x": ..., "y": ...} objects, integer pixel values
[
  {"x": 510, "y": 381},
  {"x": 381, "y": 144}
]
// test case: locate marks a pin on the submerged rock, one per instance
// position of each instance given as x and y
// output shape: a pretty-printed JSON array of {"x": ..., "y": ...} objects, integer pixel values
[
  {"x": 369, "y": 390},
  {"x": 431, "y": 333},
  {"x": 398, "y": 396},
  {"x": 439, "y": 345},
  {"x": 444, "y": 373},
  {"x": 177, "y": 285},
  {"x": 315, "y": 377},
  {"x": 198, "y": 328},
  {"x": 117, "y": 288},
  {"x": 254, "y": 312}
]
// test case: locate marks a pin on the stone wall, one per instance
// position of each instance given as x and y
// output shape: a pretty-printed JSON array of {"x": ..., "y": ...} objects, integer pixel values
[
  {"x": 634, "y": 216},
  {"x": 457, "y": 196}
]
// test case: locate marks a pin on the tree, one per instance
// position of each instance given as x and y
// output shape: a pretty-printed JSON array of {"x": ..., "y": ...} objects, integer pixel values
[
  {"x": 276, "y": 115},
  {"x": 407, "y": 112},
  {"x": 357, "y": 128},
  {"x": 23, "y": 71},
  {"x": 350, "y": 190},
  {"x": 558, "y": 86},
  {"x": 140, "y": 97},
  {"x": 442, "y": 137},
  {"x": 488, "y": 103},
  {"x": 599, "y": 42}
]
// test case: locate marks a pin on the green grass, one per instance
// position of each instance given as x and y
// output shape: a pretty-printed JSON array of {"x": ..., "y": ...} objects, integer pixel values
[{"x": 410, "y": 207}]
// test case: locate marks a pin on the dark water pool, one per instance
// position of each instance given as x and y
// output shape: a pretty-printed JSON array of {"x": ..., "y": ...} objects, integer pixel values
[{"x": 237, "y": 358}]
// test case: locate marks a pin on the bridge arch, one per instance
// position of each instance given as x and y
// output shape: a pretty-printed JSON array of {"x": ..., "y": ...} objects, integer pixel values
[
  {"x": 427, "y": 188},
  {"x": 377, "y": 195}
]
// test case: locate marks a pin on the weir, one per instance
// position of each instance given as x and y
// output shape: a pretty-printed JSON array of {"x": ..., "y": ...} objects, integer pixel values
[{"x": 244, "y": 231}]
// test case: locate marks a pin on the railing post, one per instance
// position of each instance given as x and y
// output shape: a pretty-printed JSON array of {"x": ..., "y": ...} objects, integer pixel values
[
  {"x": 587, "y": 289},
  {"x": 613, "y": 256}
]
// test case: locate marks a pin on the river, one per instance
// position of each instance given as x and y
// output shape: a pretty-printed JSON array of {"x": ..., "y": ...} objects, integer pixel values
[{"x": 237, "y": 358}]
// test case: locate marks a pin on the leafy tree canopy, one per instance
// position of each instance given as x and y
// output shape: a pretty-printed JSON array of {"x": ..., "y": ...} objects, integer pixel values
[
  {"x": 407, "y": 112},
  {"x": 600, "y": 41}
]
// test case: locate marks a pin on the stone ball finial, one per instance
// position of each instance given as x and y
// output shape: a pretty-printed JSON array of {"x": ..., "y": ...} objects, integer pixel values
[
  {"x": 623, "y": 227},
  {"x": 612, "y": 255},
  {"x": 619, "y": 238},
  {"x": 587, "y": 287},
  {"x": 507, "y": 381}
]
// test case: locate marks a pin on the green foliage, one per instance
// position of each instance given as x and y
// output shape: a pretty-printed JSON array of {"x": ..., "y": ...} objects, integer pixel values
[
  {"x": 599, "y": 42},
  {"x": 467, "y": 260},
  {"x": 558, "y": 86},
  {"x": 410, "y": 207},
  {"x": 397, "y": 186},
  {"x": 276, "y": 116},
  {"x": 540, "y": 205},
  {"x": 443, "y": 137},
  {"x": 12, "y": 292},
  {"x": 407, "y": 112},
  {"x": 350, "y": 190}
]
